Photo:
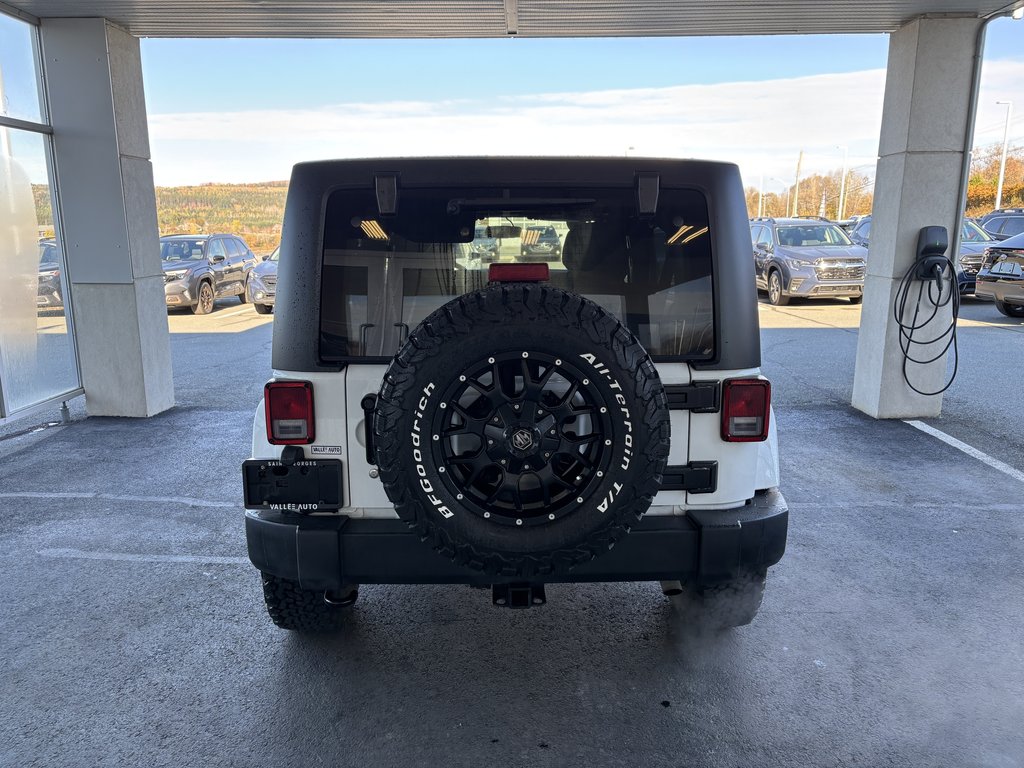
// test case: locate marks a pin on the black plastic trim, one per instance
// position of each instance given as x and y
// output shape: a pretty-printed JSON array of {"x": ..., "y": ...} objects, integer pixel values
[
  {"x": 325, "y": 552},
  {"x": 695, "y": 477},
  {"x": 293, "y": 483},
  {"x": 699, "y": 396}
]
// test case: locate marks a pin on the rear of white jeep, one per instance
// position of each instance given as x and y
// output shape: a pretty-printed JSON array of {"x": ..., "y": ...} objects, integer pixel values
[{"x": 435, "y": 417}]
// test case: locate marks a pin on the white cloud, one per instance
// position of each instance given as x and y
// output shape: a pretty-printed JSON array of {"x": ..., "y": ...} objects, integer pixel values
[{"x": 760, "y": 125}]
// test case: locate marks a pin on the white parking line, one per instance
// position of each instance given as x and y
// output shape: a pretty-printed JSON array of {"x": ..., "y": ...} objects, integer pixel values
[
  {"x": 120, "y": 497},
  {"x": 78, "y": 554},
  {"x": 222, "y": 315},
  {"x": 1006, "y": 469}
]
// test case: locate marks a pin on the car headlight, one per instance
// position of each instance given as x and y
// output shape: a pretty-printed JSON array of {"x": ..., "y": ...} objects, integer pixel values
[
  {"x": 798, "y": 263},
  {"x": 175, "y": 274}
]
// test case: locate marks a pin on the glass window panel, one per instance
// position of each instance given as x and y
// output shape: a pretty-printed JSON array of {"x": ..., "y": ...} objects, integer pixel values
[
  {"x": 653, "y": 273},
  {"x": 37, "y": 356},
  {"x": 19, "y": 81}
]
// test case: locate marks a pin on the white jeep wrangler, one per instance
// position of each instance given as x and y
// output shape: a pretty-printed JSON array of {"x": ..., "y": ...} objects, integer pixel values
[{"x": 438, "y": 418}]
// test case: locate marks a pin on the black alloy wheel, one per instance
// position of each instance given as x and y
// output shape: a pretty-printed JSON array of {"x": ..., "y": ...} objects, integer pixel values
[{"x": 522, "y": 436}]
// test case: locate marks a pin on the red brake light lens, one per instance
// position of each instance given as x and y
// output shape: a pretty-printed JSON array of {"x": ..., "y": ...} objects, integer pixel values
[
  {"x": 746, "y": 404},
  {"x": 518, "y": 273},
  {"x": 289, "y": 412}
]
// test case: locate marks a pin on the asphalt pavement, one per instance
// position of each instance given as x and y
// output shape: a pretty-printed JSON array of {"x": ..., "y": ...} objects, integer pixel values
[{"x": 133, "y": 630}]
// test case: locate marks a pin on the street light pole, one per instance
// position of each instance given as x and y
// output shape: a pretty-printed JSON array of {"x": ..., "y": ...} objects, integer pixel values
[
  {"x": 842, "y": 183},
  {"x": 760, "y": 198},
  {"x": 1002, "y": 163}
]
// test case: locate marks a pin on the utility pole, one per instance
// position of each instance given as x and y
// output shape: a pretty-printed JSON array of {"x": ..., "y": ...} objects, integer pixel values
[
  {"x": 842, "y": 183},
  {"x": 796, "y": 187},
  {"x": 760, "y": 198},
  {"x": 1002, "y": 163}
]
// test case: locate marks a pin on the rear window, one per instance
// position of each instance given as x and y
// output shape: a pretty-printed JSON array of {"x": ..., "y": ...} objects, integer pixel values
[{"x": 383, "y": 275}]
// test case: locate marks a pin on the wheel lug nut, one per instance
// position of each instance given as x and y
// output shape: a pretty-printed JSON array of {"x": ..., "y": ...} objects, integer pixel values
[
  {"x": 504, "y": 462},
  {"x": 490, "y": 442},
  {"x": 547, "y": 454}
]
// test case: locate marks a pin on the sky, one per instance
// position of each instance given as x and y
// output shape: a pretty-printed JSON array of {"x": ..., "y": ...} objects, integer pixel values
[{"x": 247, "y": 110}]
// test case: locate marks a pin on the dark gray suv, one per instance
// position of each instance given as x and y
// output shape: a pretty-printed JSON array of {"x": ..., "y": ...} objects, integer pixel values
[
  {"x": 201, "y": 268},
  {"x": 806, "y": 258}
]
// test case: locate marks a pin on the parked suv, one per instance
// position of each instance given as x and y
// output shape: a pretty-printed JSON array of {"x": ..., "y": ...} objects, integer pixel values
[
  {"x": 598, "y": 419},
  {"x": 262, "y": 283},
  {"x": 540, "y": 243},
  {"x": 1002, "y": 276},
  {"x": 973, "y": 242},
  {"x": 1004, "y": 222},
  {"x": 50, "y": 292},
  {"x": 201, "y": 268},
  {"x": 808, "y": 259}
]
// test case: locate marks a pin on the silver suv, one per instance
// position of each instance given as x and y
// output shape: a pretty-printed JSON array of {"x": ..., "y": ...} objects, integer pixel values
[
  {"x": 807, "y": 259},
  {"x": 597, "y": 416}
]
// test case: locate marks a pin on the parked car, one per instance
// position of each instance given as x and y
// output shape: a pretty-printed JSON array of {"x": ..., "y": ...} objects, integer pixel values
[
  {"x": 262, "y": 284},
  {"x": 802, "y": 258},
  {"x": 973, "y": 241},
  {"x": 201, "y": 268},
  {"x": 540, "y": 243},
  {"x": 1001, "y": 277},
  {"x": 50, "y": 294},
  {"x": 484, "y": 247},
  {"x": 1004, "y": 222},
  {"x": 507, "y": 425}
]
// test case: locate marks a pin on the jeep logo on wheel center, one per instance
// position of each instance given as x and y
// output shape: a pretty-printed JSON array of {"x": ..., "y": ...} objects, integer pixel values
[{"x": 522, "y": 439}]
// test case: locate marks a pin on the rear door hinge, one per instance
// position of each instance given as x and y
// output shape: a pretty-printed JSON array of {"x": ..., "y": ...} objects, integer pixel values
[
  {"x": 699, "y": 396},
  {"x": 695, "y": 477}
]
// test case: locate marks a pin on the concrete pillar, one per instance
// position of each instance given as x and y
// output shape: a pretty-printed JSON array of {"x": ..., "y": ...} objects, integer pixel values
[
  {"x": 926, "y": 121},
  {"x": 108, "y": 212}
]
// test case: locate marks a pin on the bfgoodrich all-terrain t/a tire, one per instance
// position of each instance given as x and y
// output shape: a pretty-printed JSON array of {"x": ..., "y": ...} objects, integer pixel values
[{"x": 521, "y": 430}]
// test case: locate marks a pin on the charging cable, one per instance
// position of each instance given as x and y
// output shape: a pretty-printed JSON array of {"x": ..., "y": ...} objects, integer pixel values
[{"x": 933, "y": 272}]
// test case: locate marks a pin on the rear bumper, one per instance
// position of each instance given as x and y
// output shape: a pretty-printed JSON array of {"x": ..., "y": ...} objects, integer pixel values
[
  {"x": 323, "y": 552},
  {"x": 1010, "y": 291}
]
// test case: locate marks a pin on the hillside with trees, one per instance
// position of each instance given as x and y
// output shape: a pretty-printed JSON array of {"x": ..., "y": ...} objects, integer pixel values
[
  {"x": 253, "y": 211},
  {"x": 981, "y": 188}
]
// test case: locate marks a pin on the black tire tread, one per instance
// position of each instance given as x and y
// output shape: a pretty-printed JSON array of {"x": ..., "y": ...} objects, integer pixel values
[
  {"x": 494, "y": 305},
  {"x": 300, "y": 610}
]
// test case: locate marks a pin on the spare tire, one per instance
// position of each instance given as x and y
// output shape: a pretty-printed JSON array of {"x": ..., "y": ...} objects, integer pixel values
[{"x": 521, "y": 430}]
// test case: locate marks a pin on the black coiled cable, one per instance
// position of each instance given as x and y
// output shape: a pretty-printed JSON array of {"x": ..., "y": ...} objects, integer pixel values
[{"x": 943, "y": 266}]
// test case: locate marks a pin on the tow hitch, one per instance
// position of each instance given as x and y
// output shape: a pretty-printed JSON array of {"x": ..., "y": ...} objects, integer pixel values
[{"x": 518, "y": 595}]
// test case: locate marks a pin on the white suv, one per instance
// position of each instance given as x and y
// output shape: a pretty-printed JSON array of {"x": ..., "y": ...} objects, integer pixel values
[{"x": 435, "y": 419}]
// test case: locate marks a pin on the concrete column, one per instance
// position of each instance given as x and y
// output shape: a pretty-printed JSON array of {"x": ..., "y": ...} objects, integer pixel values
[
  {"x": 108, "y": 213},
  {"x": 925, "y": 124}
]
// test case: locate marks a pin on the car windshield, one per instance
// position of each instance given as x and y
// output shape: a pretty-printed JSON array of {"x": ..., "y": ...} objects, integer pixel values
[
  {"x": 181, "y": 250},
  {"x": 812, "y": 236},
  {"x": 972, "y": 233},
  {"x": 383, "y": 276}
]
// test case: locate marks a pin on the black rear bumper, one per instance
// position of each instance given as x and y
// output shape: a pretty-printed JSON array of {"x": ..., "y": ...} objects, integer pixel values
[{"x": 323, "y": 552}]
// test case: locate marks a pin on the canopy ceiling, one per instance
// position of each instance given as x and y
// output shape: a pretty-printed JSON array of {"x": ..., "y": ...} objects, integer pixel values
[{"x": 500, "y": 18}]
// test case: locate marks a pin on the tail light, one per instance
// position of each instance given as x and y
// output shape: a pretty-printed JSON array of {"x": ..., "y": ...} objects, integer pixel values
[
  {"x": 289, "y": 412},
  {"x": 746, "y": 404}
]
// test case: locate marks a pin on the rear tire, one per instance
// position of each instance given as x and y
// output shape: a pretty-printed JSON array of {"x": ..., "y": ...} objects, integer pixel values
[
  {"x": 263, "y": 309},
  {"x": 305, "y": 610},
  {"x": 1010, "y": 310},
  {"x": 243, "y": 297}
]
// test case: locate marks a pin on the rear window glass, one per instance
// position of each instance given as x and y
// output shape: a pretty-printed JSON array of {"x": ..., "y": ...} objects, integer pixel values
[{"x": 382, "y": 275}]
